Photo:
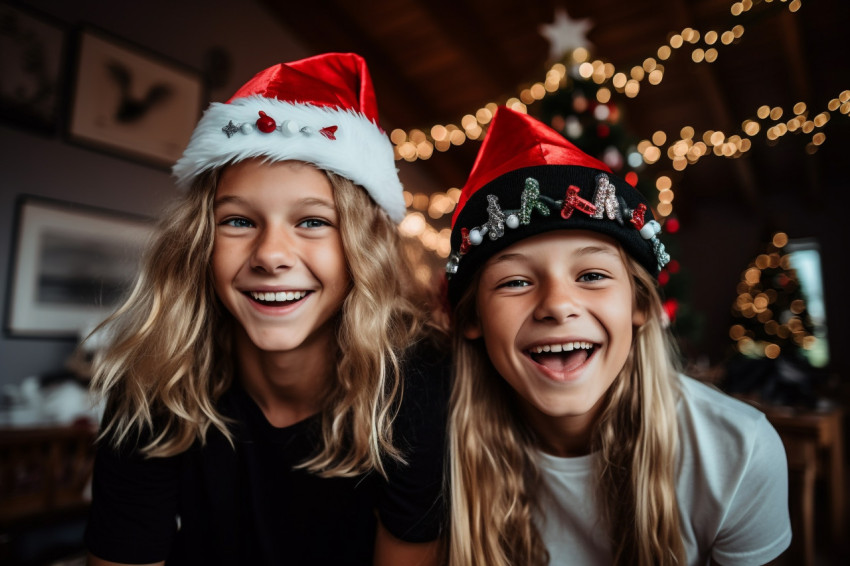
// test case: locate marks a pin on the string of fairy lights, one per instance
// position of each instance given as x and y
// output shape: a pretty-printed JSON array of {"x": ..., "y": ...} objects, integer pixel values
[{"x": 682, "y": 151}]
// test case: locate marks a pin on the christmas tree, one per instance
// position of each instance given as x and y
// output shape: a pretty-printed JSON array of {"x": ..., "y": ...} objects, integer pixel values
[
  {"x": 779, "y": 347},
  {"x": 771, "y": 314}
]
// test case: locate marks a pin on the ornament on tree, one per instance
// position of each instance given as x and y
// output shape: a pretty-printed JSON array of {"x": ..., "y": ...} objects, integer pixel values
[{"x": 671, "y": 307}]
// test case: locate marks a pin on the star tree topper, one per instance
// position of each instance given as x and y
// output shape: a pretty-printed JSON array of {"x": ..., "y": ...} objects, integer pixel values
[{"x": 565, "y": 34}]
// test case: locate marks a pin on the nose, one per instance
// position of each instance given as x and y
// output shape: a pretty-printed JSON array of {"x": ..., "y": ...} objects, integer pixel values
[
  {"x": 558, "y": 301},
  {"x": 274, "y": 250}
]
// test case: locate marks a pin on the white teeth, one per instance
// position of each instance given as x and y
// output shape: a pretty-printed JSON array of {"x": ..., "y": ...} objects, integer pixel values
[
  {"x": 566, "y": 347},
  {"x": 278, "y": 297}
]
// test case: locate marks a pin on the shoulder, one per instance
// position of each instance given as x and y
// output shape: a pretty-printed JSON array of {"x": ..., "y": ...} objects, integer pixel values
[
  {"x": 411, "y": 505},
  {"x": 706, "y": 402},
  {"x": 733, "y": 483},
  {"x": 423, "y": 404},
  {"x": 426, "y": 367},
  {"x": 721, "y": 432}
]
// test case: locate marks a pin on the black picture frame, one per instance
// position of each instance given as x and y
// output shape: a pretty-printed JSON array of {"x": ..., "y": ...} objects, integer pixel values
[
  {"x": 33, "y": 69},
  {"x": 70, "y": 267},
  {"x": 130, "y": 101}
]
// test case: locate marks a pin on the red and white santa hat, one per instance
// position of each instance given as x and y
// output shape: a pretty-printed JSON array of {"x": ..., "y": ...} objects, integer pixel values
[
  {"x": 321, "y": 110},
  {"x": 528, "y": 179}
]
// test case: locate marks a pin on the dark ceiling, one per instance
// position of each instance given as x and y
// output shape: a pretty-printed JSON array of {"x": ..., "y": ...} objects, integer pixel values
[{"x": 435, "y": 61}]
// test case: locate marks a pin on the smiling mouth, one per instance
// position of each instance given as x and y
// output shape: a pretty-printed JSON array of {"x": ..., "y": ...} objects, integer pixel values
[
  {"x": 277, "y": 299},
  {"x": 562, "y": 357}
]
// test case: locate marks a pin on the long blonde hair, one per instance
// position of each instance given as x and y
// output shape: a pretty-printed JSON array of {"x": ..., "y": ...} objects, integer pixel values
[
  {"x": 493, "y": 475},
  {"x": 171, "y": 355}
]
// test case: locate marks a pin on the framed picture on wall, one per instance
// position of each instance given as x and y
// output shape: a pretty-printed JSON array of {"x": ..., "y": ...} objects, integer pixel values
[
  {"x": 32, "y": 68},
  {"x": 71, "y": 266},
  {"x": 132, "y": 102}
]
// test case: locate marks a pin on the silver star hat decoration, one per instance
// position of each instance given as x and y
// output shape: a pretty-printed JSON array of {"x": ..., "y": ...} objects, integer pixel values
[{"x": 565, "y": 34}]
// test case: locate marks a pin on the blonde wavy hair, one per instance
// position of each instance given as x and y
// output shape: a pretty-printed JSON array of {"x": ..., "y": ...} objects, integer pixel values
[
  {"x": 493, "y": 475},
  {"x": 171, "y": 356}
]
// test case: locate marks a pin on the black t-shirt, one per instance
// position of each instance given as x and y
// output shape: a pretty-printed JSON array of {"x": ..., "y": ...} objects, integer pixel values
[{"x": 214, "y": 504}]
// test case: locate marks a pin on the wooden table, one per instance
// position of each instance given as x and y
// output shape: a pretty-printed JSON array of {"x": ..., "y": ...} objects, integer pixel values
[
  {"x": 814, "y": 445},
  {"x": 44, "y": 472}
]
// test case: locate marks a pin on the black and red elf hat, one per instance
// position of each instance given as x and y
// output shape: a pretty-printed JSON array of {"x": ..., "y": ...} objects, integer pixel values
[{"x": 528, "y": 179}]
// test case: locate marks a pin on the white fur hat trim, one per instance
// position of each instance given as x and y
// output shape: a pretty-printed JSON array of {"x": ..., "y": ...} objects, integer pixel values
[{"x": 360, "y": 150}]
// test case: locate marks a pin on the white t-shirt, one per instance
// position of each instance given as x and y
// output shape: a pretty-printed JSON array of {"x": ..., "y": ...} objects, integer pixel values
[{"x": 732, "y": 489}]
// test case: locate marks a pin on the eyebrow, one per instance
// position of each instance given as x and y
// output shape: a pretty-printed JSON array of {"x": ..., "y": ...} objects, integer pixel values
[
  {"x": 588, "y": 250},
  {"x": 220, "y": 201}
]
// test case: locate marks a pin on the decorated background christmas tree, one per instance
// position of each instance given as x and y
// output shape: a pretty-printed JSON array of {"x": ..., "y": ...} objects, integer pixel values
[
  {"x": 771, "y": 315},
  {"x": 779, "y": 346}
]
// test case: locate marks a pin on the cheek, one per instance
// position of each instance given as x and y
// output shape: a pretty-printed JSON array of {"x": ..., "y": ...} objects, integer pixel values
[
  {"x": 330, "y": 259},
  {"x": 621, "y": 319},
  {"x": 223, "y": 267},
  {"x": 620, "y": 309},
  {"x": 216, "y": 268},
  {"x": 498, "y": 325}
]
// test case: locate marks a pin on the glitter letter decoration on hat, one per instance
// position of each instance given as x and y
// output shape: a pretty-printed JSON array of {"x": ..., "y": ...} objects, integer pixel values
[
  {"x": 605, "y": 200},
  {"x": 321, "y": 110},
  {"x": 528, "y": 179}
]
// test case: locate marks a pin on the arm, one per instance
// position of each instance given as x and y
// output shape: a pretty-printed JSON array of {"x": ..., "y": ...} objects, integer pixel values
[
  {"x": 92, "y": 560},
  {"x": 757, "y": 528},
  {"x": 391, "y": 551},
  {"x": 133, "y": 509},
  {"x": 771, "y": 563},
  {"x": 410, "y": 508}
]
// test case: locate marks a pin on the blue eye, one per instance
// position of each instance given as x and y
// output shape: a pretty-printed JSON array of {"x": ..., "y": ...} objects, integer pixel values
[
  {"x": 237, "y": 222},
  {"x": 313, "y": 223}
]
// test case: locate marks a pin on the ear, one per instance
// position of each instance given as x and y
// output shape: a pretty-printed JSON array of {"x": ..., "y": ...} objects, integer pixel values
[
  {"x": 639, "y": 317},
  {"x": 473, "y": 330}
]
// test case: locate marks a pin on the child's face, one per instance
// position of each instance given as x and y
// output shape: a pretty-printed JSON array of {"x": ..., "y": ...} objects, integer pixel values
[
  {"x": 556, "y": 314},
  {"x": 277, "y": 262}
]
